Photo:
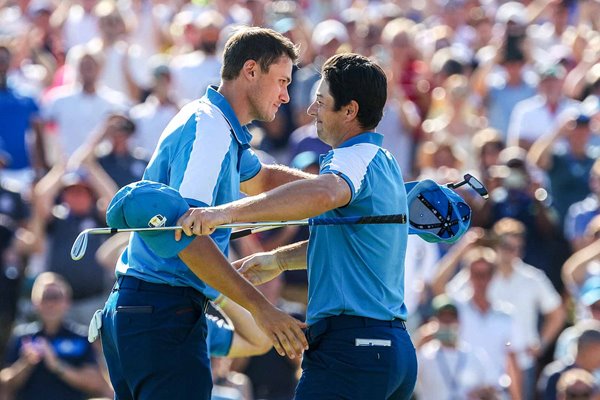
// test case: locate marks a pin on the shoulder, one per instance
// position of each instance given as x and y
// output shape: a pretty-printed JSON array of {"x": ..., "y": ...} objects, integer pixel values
[
  {"x": 529, "y": 272},
  {"x": 359, "y": 154},
  {"x": 27, "y": 329},
  {"x": 532, "y": 104},
  {"x": 75, "y": 329},
  {"x": 61, "y": 94}
]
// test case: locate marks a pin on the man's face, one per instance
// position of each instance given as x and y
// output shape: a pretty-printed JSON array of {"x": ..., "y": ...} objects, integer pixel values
[
  {"x": 78, "y": 198},
  {"x": 53, "y": 304},
  {"x": 480, "y": 275},
  {"x": 270, "y": 90},
  {"x": 510, "y": 247},
  {"x": 88, "y": 70},
  {"x": 329, "y": 121}
]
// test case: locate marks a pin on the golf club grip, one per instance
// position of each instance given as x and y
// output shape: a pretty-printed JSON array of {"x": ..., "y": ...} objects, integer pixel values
[
  {"x": 240, "y": 234},
  {"x": 379, "y": 219}
]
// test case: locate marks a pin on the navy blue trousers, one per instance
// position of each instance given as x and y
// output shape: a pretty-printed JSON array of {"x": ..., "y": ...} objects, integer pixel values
[
  {"x": 357, "y": 358},
  {"x": 154, "y": 342}
]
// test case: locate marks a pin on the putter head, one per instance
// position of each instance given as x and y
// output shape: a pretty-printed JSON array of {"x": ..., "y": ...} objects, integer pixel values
[{"x": 79, "y": 246}]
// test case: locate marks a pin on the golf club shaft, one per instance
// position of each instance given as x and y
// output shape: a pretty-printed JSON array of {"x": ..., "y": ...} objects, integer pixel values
[{"x": 380, "y": 219}]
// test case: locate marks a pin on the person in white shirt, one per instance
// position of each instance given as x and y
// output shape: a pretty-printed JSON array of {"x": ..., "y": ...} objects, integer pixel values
[
  {"x": 194, "y": 72},
  {"x": 535, "y": 117},
  {"x": 79, "y": 109},
  {"x": 527, "y": 291},
  {"x": 484, "y": 324},
  {"x": 448, "y": 368},
  {"x": 80, "y": 23},
  {"x": 530, "y": 292},
  {"x": 124, "y": 68},
  {"x": 152, "y": 116}
]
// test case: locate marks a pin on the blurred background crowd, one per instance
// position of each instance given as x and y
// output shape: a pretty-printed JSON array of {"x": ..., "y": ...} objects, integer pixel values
[{"x": 508, "y": 91}]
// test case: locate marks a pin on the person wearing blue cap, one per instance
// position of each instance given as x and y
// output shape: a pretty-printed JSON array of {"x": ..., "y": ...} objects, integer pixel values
[
  {"x": 154, "y": 329},
  {"x": 358, "y": 344}
]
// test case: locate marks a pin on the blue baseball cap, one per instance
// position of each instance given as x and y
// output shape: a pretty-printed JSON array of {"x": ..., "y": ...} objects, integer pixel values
[
  {"x": 435, "y": 212},
  {"x": 147, "y": 204},
  {"x": 590, "y": 292}
]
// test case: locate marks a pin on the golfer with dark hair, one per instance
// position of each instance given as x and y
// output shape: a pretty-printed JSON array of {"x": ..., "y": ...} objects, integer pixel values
[
  {"x": 154, "y": 329},
  {"x": 358, "y": 344}
]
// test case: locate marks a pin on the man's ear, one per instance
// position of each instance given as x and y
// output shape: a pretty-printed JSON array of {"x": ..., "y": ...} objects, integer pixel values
[
  {"x": 250, "y": 69},
  {"x": 351, "y": 110}
]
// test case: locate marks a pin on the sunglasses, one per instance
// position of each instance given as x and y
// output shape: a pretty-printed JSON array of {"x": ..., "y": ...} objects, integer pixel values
[
  {"x": 579, "y": 395},
  {"x": 52, "y": 296},
  {"x": 474, "y": 183}
]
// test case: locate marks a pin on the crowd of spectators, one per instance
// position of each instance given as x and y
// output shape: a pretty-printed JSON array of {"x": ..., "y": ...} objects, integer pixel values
[{"x": 508, "y": 91}]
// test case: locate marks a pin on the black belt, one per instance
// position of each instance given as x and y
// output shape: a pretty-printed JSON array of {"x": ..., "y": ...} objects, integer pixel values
[
  {"x": 132, "y": 283},
  {"x": 343, "y": 321}
]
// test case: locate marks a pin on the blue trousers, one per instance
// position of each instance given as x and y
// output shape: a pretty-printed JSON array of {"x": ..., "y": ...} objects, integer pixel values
[
  {"x": 154, "y": 342},
  {"x": 357, "y": 358}
]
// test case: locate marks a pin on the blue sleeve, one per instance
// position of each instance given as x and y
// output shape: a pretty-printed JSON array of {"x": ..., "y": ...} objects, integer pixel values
[
  {"x": 220, "y": 336},
  {"x": 249, "y": 165}
]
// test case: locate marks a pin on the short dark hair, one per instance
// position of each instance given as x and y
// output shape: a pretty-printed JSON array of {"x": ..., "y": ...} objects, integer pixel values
[
  {"x": 354, "y": 77},
  {"x": 265, "y": 46}
]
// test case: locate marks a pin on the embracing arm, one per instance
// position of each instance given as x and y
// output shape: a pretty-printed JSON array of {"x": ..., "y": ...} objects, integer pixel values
[
  {"x": 207, "y": 262},
  {"x": 270, "y": 177},
  {"x": 296, "y": 200},
  {"x": 248, "y": 340},
  {"x": 262, "y": 267}
]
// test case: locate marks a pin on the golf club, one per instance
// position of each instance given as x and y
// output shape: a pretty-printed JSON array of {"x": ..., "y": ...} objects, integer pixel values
[
  {"x": 80, "y": 245},
  {"x": 246, "y": 228},
  {"x": 468, "y": 179}
]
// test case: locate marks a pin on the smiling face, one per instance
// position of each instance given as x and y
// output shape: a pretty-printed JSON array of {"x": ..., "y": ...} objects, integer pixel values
[
  {"x": 328, "y": 120},
  {"x": 270, "y": 90}
]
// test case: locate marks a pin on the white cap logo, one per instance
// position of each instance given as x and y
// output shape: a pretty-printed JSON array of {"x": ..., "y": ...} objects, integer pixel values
[{"x": 157, "y": 221}]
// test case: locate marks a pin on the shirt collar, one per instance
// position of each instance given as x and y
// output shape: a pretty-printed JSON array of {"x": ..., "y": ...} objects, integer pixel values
[
  {"x": 365, "y": 137},
  {"x": 240, "y": 132}
]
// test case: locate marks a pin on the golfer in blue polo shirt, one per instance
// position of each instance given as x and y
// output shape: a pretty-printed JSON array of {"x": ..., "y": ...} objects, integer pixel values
[
  {"x": 358, "y": 344},
  {"x": 154, "y": 329}
]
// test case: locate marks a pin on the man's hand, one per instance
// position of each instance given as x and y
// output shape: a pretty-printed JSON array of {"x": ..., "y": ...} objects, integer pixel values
[
  {"x": 50, "y": 358},
  {"x": 31, "y": 352},
  {"x": 201, "y": 221},
  {"x": 284, "y": 331},
  {"x": 259, "y": 268}
]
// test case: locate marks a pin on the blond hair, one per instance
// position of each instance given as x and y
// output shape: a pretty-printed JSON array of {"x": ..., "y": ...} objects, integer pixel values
[{"x": 46, "y": 279}]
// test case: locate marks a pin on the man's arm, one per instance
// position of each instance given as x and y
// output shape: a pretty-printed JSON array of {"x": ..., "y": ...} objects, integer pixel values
[
  {"x": 296, "y": 200},
  {"x": 263, "y": 267},
  {"x": 554, "y": 322},
  {"x": 206, "y": 261},
  {"x": 248, "y": 339},
  {"x": 540, "y": 153},
  {"x": 270, "y": 177},
  {"x": 448, "y": 264},
  {"x": 574, "y": 270}
]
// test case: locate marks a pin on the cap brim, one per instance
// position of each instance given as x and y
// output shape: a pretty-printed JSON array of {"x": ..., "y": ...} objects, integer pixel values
[{"x": 163, "y": 243}]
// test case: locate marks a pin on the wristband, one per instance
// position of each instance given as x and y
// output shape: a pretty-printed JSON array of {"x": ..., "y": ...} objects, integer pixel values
[{"x": 220, "y": 301}]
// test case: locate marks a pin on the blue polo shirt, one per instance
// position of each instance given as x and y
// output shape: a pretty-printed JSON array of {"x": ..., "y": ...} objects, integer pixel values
[
  {"x": 16, "y": 114},
  {"x": 204, "y": 153},
  {"x": 359, "y": 269}
]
